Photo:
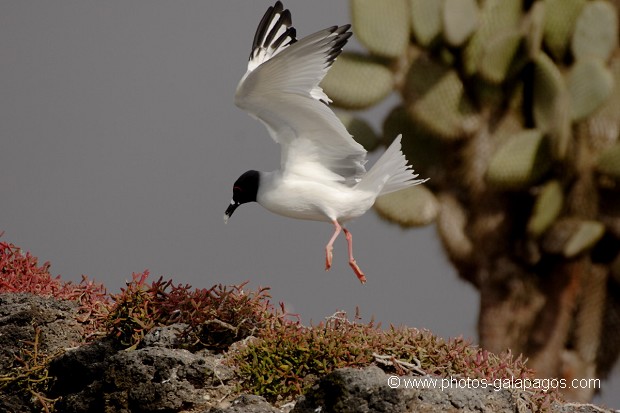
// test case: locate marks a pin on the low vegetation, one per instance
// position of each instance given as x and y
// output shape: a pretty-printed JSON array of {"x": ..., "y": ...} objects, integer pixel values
[{"x": 274, "y": 355}]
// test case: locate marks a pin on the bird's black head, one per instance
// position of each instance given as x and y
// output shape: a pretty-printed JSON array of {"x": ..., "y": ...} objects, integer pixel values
[{"x": 244, "y": 190}]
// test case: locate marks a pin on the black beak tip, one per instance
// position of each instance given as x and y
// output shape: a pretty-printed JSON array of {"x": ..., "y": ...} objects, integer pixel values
[{"x": 229, "y": 211}]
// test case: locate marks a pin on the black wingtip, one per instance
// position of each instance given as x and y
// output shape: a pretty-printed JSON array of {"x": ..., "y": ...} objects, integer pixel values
[
  {"x": 265, "y": 37},
  {"x": 342, "y": 36},
  {"x": 264, "y": 22},
  {"x": 290, "y": 33},
  {"x": 284, "y": 20},
  {"x": 343, "y": 29},
  {"x": 262, "y": 26}
]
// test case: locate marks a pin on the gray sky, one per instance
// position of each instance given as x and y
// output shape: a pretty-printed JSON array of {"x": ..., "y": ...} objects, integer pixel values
[{"x": 121, "y": 142}]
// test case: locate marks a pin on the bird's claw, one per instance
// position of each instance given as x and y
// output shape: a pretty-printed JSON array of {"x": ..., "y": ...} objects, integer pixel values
[{"x": 358, "y": 272}]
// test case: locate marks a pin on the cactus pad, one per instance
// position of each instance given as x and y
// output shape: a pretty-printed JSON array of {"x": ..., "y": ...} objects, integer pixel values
[
  {"x": 535, "y": 28},
  {"x": 596, "y": 31},
  {"x": 498, "y": 54},
  {"x": 422, "y": 149},
  {"x": 361, "y": 131},
  {"x": 411, "y": 207},
  {"x": 589, "y": 83},
  {"x": 551, "y": 102},
  {"x": 356, "y": 81},
  {"x": 559, "y": 23},
  {"x": 496, "y": 16},
  {"x": 547, "y": 208},
  {"x": 451, "y": 227},
  {"x": 520, "y": 161},
  {"x": 382, "y": 28},
  {"x": 425, "y": 20},
  {"x": 583, "y": 238},
  {"x": 460, "y": 20},
  {"x": 444, "y": 109}
]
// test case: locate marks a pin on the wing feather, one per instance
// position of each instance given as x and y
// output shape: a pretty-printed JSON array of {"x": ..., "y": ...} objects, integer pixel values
[{"x": 281, "y": 89}]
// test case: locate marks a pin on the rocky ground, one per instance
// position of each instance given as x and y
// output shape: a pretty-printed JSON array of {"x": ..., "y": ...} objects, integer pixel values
[{"x": 157, "y": 377}]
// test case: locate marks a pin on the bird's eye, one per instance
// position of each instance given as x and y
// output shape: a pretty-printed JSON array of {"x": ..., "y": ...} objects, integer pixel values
[{"x": 237, "y": 189}]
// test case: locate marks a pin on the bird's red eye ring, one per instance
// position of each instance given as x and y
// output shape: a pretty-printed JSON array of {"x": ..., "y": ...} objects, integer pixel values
[{"x": 237, "y": 189}]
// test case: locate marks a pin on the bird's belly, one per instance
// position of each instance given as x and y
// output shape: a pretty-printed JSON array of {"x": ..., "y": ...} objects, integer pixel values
[
  {"x": 316, "y": 202},
  {"x": 298, "y": 211}
]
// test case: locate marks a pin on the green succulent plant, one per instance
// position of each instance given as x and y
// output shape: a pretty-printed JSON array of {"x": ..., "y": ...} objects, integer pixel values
[{"x": 512, "y": 108}]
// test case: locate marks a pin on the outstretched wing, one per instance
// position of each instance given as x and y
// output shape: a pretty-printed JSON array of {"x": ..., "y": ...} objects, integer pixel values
[{"x": 281, "y": 89}]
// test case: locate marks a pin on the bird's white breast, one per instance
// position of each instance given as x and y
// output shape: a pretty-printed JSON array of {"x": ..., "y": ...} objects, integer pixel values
[{"x": 305, "y": 198}]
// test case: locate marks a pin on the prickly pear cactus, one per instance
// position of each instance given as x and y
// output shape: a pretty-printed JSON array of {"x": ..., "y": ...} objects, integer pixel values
[{"x": 512, "y": 108}]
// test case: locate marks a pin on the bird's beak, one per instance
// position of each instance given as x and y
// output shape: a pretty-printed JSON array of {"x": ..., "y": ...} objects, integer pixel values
[{"x": 229, "y": 211}]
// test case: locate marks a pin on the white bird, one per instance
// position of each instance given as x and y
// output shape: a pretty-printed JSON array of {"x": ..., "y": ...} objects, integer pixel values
[{"x": 322, "y": 175}]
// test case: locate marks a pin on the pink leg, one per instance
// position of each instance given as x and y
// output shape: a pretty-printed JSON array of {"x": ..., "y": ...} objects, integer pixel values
[
  {"x": 329, "y": 248},
  {"x": 352, "y": 263}
]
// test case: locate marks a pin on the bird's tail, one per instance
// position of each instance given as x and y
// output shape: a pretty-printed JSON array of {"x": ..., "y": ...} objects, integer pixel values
[{"x": 390, "y": 173}]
